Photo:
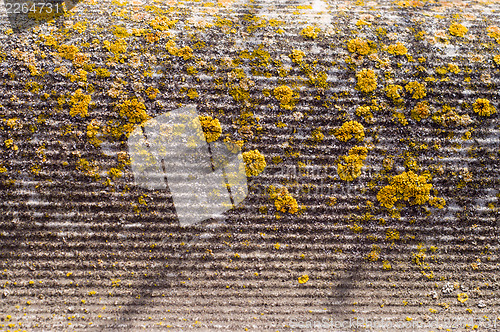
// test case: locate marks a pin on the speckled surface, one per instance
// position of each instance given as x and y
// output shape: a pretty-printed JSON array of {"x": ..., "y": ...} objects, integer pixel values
[{"x": 378, "y": 123}]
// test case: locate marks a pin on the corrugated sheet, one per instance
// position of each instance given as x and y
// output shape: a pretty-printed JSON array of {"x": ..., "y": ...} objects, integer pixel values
[{"x": 83, "y": 247}]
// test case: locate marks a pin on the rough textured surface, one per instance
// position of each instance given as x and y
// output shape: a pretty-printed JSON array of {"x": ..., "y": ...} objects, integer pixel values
[{"x": 380, "y": 118}]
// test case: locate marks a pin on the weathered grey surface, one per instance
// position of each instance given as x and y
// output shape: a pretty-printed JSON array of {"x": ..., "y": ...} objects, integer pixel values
[{"x": 84, "y": 249}]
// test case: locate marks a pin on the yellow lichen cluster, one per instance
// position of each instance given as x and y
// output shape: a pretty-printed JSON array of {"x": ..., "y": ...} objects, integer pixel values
[
  {"x": 350, "y": 166},
  {"x": 117, "y": 47},
  {"x": 496, "y": 58},
  {"x": 393, "y": 91},
  {"x": 233, "y": 146},
  {"x": 162, "y": 23},
  {"x": 13, "y": 123},
  {"x": 392, "y": 234},
  {"x": 88, "y": 168},
  {"x": 115, "y": 173},
  {"x": 9, "y": 144},
  {"x": 283, "y": 201},
  {"x": 397, "y": 49},
  {"x": 483, "y": 107},
  {"x": 92, "y": 132},
  {"x": 494, "y": 32},
  {"x": 255, "y": 162},
  {"x": 185, "y": 53},
  {"x": 366, "y": 113},
  {"x": 374, "y": 254},
  {"x": 303, "y": 279},
  {"x": 211, "y": 128},
  {"x": 438, "y": 202},
  {"x": 152, "y": 92},
  {"x": 453, "y": 68},
  {"x": 406, "y": 186},
  {"x": 400, "y": 117},
  {"x": 448, "y": 117},
  {"x": 310, "y": 32},
  {"x": 349, "y": 130},
  {"x": 457, "y": 29},
  {"x": 68, "y": 51},
  {"x": 360, "y": 46},
  {"x": 367, "y": 80},
  {"x": 317, "y": 135},
  {"x": 417, "y": 89},
  {"x": 332, "y": 201},
  {"x": 79, "y": 103},
  {"x": 462, "y": 297},
  {"x": 420, "y": 111},
  {"x": 297, "y": 56},
  {"x": 134, "y": 111},
  {"x": 284, "y": 94}
]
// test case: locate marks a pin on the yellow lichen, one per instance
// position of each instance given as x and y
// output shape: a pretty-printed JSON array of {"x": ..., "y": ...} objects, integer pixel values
[
  {"x": 92, "y": 132},
  {"x": 303, "y": 279},
  {"x": 317, "y": 135},
  {"x": 392, "y": 234},
  {"x": 374, "y": 254},
  {"x": 457, "y": 29},
  {"x": 406, "y": 186},
  {"x": 400, "y": 117},
  {"x": 386, "y": 265},
  {"x": 420, "y": 111},
  {"x": 360, "y": 46},
  {"x": 79, "y": 103},
  {"x": 68, "y": 51},
  {"x": 171, "y": 47},
  {"x": 453, "y": 68},
  {"x": 393, "y": 91},
  {"x": 365, "y": 113},
  {"x": 211, "y": 128},
  {"x": 296, "y": 56},
  {"x": 13, "y": 123},
  {"x": 350, "y": 166},
  {"x": 152, "y": 92},
  {"x": 310, "y": 32},
  {"x": 448, "y": 117},
  {"x": 284, "y": 94},
  {"x": 118, "y": 47},
  {"x": 462, "y": 297},
  {"x": 496, "y": 58},
  {"x": 88, "y": 168},
  {"x": 186, "y": 53},
  {"x": 192, "y": 94},
  {"x": 417, "y": 89},
  {"x": 367, "y": 80},
  {"x": 438, "y": 202},
  {"x": 483, "y": 107},
  {"x": 255, "y": 162},
  {"x": 332, "y": 201},
  {"x": 283, "y": 201},
  {"x": 494, "y": 32},
  {"x": 134, "y": 111},
  {"x": 349, "y": 130},
  {"x": 9, "y": 144},
  {"x": 397, "y": 49},
  {"x": 162, "y": 23}
]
